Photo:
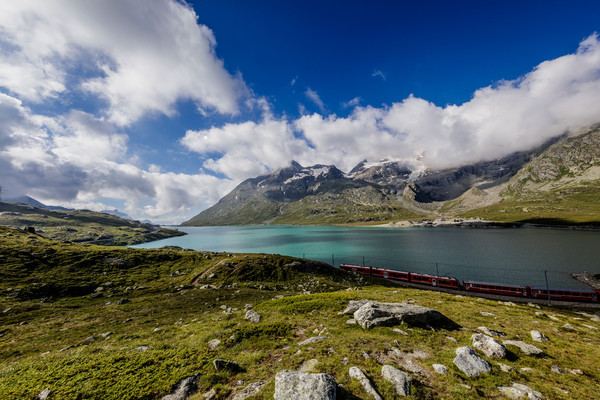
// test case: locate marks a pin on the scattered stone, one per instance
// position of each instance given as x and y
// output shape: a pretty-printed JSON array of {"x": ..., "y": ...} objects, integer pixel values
[
  {"x": 123, "y": 301},
  {"x": 66, "y": 348},
  {"x": 106, "y": 335},
  {"x": 440, "y": 369},
  {"x": 365, "y": 355},
  {"x": 44, "y": 394},
  {"x": 351, "y": 321},
  {"x": 142, "y": 348},
  {"x": 253, "y": 316},
  {"x": 250, "y": 390},
  {"x": 538, "y": 336},
  {"x": 224, "y": 365},
  {"x": 450, "y": 338},
  {"x": 488, "y": 345},
  {"x": 399, "y": 379},
  {"x": 487, "y": 314},
  {"x": 184, "y": 389},
  {"x": 553, "y": 318},
  {"x": 373, "y": 314},
  {"x": 345, "y": 361},
  {"x": 557, "y": 370},
  {"x": 470, "y": 363},
  {"x": 213, "y": 344},
  {"x": 540, "y": 314},
  {"x": 210, "y": 395},
  {"x": 400, "y": 331},
  {"x": 505, "y": 368},
  {"x": 560, "y": 390},
  {"x": 304, "y": 386},
  {"x": 527, "y": 369},
  {"x": 525, "y": 348},
  {"x": 357, "y": 374},
  {"x": 309, "y": 365},
  {"x": 575, "y": 371},
  {"x": 569, "y": 326},
  {"x": 518, "y": 390},
  {"x": 590, "y": 327},
  {"x": 89, "y": 340},
  {"x": 491, "y": 332},
  {"x": 313, "y": 339},
  {"x": 533, "y": 306}
]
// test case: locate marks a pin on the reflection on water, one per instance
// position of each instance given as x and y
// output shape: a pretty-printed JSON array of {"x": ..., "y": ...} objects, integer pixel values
[{"x": 496, "y": 255}]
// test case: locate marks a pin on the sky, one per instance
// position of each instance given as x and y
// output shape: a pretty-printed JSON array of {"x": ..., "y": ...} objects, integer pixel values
[{"x": 159, "y": 108}]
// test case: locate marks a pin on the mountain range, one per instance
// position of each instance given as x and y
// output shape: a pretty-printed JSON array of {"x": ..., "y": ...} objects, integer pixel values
[{"x": 559, "y": 182}]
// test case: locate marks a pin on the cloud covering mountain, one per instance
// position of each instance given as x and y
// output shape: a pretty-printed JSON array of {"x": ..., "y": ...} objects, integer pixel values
[{"x": 80, "y": 81}]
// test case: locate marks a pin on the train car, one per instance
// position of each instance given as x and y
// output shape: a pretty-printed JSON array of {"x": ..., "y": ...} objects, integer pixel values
[
  {"x": 496, "y": 288},
  {"x": 432, "y": 280},
  {"x": 356, "y": 268},
  {"x": 564, "y": 294},
  {"x": 399, "y": 275}
]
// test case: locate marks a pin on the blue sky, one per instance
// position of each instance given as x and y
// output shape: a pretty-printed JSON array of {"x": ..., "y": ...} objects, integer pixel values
[{"x": 160, "y": 108}]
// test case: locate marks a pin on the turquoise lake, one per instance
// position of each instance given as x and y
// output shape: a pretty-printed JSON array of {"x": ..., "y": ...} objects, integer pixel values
[{"x": 497, "y": 255}]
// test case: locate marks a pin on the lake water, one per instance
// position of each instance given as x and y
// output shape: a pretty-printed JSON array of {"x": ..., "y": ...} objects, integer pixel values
[{"x": 497, "y": 255}]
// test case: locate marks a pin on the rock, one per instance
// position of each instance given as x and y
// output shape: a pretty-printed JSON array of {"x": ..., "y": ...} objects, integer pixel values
[
  {"x": 345, "y": 361},
  {"x": 309, "y": 365},
  {"x": 106, "y": 335},
  {"x": 488, "y": 345},
  {"x": 253, "y": 316},
  {"x": 517, "y": 391},
  {"x": 249, "y": 390},
  {"x": 569, "y": 326},
  {"x": 590, "y": 327},
  {"x": 540, "y": 314},
  {"x": 44, "y": 394},
  {"x": 556, "y": 369},
  {"x": 357, "y": 374},
  {"x": 353, "y": 306},
  {"x": 487, "y": 314},
  {"x": 210, "y": 395},
  {"x": 450, "y": 338},
  {"x": 351, "y": 321},
  {"x": 184, "y": 389},
  {"x": 440, "y": 369},
  {"x": 575, "y": 371},
  {"x": 141, "y": 348},
  {"x": 470, "y": 363},
  {"x": 505, "y": 368},
  {"x": 89, "y": 340},
  {"x": 123, "y": 301},
  {"x": 538, "y": 336},
  {"x": 313, "y": 339},
  {"x": 399, "y": 379},
  {"x": 213, "y": 344},
  {"x": 400, "y": 331},
  {"x": 304, "y": 386},
  {"x": 224, "y": 365},
  {"x": 490, "y": 332},
  {"x": 525, "y": 348},
  {"x": 373, "y": 314}
]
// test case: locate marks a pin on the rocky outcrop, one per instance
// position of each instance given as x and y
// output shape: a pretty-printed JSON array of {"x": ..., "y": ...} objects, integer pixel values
[
  {"x": 304, "y": 386},
  {"x": 373, "y": 314},
  {"x": 488, "y": 346},
  {"x": 399, "y": 379},
  {"x": 357, "y": 374},
  {"x": 184, "y": 389},
  {"x": 470, "y": 363}
]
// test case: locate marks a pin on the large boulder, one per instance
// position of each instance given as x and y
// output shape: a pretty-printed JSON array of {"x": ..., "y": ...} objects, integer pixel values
[
  {"x": 488, "y": 345},
  {"x": 470, "y": 363},
  {"x": 304, "y": 386},
  {"x": 399, "y": 379},
  {"x": 525, "y": 348},
  {"x": 373, "y": 314}
]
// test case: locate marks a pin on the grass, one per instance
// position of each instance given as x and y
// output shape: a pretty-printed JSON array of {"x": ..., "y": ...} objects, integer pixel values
[{"x": 176, "y": 319}]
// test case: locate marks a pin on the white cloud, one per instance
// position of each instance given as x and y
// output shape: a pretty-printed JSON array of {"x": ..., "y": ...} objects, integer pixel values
[
  {"x": 314, "y": 97},
  {"x": 378, "y": 73},
  {"x": 140, "y": 57},
  {"x": 352, "y": 103}
]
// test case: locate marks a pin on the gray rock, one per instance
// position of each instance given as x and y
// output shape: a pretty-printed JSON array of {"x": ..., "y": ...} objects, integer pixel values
[
  {"x": 353, "y": 306},
  {"x": 505, "y": 368},
  {"x": 488, "y": 345},
  {"x": 309, "y": 365},
  {"x": 351, "y": 321},
  {"x": 399, "y": 379},
  {"x": 470, "y": 363},
  {"x": 44, "y": 394},
  {"x": 184, "y": 389},
  {"x": 440, "y": 369},
  {"x": 556, "y": 369},
  {"x": 490, "y": 332},
  {"x": 304, "y": 386},
  {"x": 400, "y": 331},
  {"x": 538, "y": 336},
  {"x": 213, "y": 344},
  {"x": 123, "y": 301},
  {"x": 357, "y": 374},
  {"x": 313, "y": 339},
  {"x": 525, "y": 348},
  {"x": 253, "y": 316},
  {"x": 141, "y": 348},
  {"x": 570, "y": 327},
  {"x": 517, "y": 391},
  {"x": 224, "y": 365},
  {"x": 373, "y": 314},
  {"x": 89, "y": 340},
  {"x": 487, "y": 314},
  {"x": 249, "y": 390}
]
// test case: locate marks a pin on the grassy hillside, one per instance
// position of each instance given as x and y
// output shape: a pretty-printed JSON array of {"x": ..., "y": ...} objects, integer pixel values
[
  {"x": 65, "y": 326},
  {"x": 81, "y": 225}
]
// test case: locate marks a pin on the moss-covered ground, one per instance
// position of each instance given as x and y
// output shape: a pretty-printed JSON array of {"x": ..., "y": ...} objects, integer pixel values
[{"x": 55, "y": 297}]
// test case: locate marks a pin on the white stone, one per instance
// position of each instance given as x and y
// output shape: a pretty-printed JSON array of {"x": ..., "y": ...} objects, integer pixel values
[
  {"x": 440, "y": 369},
  {"x": 537, "y": 336},
  {"x": 470, "y": 363},
  {"x": 488, "y": 345}
]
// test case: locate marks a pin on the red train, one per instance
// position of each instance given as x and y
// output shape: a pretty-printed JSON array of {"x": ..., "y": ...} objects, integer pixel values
[{"x": 476, "y": 286}]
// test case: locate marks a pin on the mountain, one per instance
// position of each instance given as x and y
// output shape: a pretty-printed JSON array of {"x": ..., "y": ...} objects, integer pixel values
[
  {"x": 556, "y": 181},
  {"x": 33, "y": 202},
  {"x": 116, "y": 213}
]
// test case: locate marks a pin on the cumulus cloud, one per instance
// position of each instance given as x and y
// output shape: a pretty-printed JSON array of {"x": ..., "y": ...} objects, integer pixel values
[{"x": 139, "y": 57}]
